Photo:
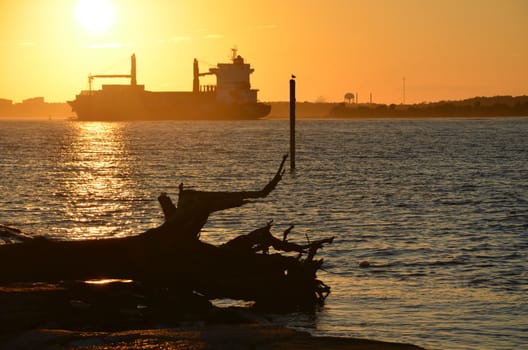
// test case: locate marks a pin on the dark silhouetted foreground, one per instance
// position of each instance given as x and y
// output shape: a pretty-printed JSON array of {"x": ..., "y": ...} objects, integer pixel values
[
  {"x": 173, "y": 257},
  {"x": 166, "y": 276},
  {"x": 220, "y": 337}
]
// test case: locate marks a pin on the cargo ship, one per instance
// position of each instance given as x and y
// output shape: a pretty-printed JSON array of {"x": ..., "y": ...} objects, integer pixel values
[{"x": 232, "y": 98}]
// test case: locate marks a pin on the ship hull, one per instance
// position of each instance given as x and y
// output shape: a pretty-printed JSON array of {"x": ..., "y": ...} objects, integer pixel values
[{"x": 146, "y": 105}]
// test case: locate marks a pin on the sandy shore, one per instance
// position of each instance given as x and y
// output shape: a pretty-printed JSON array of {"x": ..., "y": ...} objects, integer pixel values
[
  {"x": 239, "y": 336},
  {"x": 53, "y": 317}
]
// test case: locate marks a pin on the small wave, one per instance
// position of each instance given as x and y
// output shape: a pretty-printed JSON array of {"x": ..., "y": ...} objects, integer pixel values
[
  {"x": 457, "y": 202},
  {"x": 11, "y": 235}
]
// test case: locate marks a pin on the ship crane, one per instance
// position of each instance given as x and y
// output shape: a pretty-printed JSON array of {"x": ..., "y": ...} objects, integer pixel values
[
  {"x": 132, "y": 74},
  {"x": 197, "y": 75}
]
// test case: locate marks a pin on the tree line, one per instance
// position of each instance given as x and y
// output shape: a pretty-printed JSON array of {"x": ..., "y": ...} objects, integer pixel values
[{"x": 497, "y": 106}]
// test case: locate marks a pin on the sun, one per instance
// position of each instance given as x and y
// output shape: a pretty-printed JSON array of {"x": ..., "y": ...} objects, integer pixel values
[{"x": 95, "y": 15}]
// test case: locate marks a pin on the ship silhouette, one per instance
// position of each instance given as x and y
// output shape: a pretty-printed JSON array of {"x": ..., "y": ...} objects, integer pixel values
[{"x": 232, "y": 98}]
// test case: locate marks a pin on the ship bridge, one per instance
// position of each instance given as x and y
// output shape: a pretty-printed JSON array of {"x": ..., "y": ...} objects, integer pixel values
[{"x": 232, "y": 81}]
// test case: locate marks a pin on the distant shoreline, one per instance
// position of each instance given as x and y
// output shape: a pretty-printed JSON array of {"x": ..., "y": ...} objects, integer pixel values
[
  {"x": 34, "y": 108},
  {"x": 477, "y": 107}
]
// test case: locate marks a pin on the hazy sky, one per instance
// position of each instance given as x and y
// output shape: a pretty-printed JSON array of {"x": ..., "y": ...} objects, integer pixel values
[{"x": 449, "y": 49}]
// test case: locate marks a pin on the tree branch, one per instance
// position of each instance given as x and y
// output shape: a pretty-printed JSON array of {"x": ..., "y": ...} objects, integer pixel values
[{"x": 216, "y": 201}]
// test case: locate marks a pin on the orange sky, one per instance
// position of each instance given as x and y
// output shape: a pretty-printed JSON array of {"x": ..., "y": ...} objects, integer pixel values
[{"x": 449, "y": 49}]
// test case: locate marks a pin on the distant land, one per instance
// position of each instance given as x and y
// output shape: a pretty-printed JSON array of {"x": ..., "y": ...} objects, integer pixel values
[
  {"x": 35, "y": 108},
  {"x": 497, "y": 106}
]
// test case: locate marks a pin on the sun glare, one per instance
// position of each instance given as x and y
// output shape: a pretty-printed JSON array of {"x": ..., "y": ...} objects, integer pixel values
[{"x": 95, "y": 15}]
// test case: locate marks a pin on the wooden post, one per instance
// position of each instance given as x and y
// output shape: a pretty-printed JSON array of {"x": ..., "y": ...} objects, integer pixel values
[{"x": 292, "y": 123}]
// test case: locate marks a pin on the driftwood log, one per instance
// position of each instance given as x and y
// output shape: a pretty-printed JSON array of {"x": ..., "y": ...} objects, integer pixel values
[{"x": 172, "y": 256}]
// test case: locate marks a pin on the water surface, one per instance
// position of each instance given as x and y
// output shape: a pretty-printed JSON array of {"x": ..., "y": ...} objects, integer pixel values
[{"x": 438, "y": 207}]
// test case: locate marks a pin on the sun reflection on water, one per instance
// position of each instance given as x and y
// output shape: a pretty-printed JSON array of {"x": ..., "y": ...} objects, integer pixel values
[
  {"x": 104, "y": 281},
  {"x": 99, "y": 185}
]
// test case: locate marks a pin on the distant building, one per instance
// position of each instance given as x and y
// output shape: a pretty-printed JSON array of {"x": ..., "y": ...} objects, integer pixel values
[
  {"x": 32, "y": 108},
  {"x": 4, "y": 103}
]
